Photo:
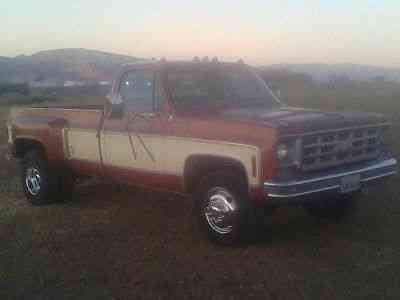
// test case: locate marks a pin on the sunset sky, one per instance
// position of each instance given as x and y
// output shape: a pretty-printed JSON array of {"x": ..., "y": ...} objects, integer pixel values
[{"x": 261, "y": 32}]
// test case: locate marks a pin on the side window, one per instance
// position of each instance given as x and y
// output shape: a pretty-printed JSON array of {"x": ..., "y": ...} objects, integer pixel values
[{"x": 137, "y": 90}]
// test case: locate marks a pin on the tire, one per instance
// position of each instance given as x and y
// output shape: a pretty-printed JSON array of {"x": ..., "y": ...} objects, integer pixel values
[
  {"x": 334, "y": 208},
  {"x": 40, "y": 184},
  {"x": 222, "y": 208}
]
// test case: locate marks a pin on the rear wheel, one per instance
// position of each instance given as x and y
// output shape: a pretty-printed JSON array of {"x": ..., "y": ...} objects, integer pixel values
[
  {"x": 41, "y": 184},
  {"x": 333, "y": 208},
  {"x": 37, "y": 182},
  {"x": 223, "y": 209}
]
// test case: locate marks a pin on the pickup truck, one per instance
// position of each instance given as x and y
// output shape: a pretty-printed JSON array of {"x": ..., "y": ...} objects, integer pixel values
[{"x": 208, "y": 129}]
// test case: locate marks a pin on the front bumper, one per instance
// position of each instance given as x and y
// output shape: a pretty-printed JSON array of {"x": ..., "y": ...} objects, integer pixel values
[{"x": 328, "y": 181}]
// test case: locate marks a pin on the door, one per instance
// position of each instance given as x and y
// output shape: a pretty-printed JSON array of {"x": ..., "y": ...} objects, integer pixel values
[
  {"x": 130, "y": 141},
  {"x": 81, "y": 141}
]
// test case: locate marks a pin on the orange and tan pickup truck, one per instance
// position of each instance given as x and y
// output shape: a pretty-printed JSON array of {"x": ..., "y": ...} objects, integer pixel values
[{"x": 212, "y": 130}]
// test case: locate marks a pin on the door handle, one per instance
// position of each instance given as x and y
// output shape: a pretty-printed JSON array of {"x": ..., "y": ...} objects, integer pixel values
[{"x": 147, "y": 115}]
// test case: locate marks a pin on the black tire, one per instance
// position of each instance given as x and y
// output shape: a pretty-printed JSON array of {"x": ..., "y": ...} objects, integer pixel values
[
  {"x": 238, "y": 221},
  {"x": 334, "y": 208},
  {"x": 34, "y": 165},
  {"x": 50, "y": 186}
]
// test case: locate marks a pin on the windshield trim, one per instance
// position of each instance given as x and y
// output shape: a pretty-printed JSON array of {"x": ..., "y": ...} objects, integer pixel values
[{"x": 262, "y": 81}]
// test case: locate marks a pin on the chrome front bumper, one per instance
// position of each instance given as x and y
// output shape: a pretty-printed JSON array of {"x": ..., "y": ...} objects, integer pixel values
[{"x": 329, "y": 181}]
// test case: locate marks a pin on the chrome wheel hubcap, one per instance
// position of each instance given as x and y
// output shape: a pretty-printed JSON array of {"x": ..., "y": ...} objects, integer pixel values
[
  {"x": 220, "y": 210},
  {"x": 33, "y": 181}
]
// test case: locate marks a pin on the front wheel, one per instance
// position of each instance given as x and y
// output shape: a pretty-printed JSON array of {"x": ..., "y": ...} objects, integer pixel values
[{"x": 222, "y": 207}]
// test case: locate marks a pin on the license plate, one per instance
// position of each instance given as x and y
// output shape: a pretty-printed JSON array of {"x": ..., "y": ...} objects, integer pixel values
[{"x": 350, "y": 183}]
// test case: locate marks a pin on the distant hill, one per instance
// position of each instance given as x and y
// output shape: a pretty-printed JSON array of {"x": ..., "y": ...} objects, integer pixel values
[
  {"x": 4, "y": 59},
  {"x": 58, "y": 66},
  {"x": 61, "y": 65},
  {"x": 329, "y": 72}
]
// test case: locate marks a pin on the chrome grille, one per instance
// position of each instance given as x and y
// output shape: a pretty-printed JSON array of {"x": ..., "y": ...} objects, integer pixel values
[{"x": 334, "y": 148}]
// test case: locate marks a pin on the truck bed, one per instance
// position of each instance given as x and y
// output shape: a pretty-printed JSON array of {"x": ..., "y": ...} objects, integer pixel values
[
  {"x": 69, "y": 112},
  {"x": 78, "y": 116}
]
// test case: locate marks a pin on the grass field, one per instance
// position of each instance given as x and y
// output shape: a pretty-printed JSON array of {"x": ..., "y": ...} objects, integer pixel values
[
  {"x": 113, "y": 243},
  {"x": 4, "y": 111}
]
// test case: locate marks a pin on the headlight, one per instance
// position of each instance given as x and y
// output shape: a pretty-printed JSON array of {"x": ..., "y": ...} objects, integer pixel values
[
  {"x": 288, "y": 152},
  {"x": 282, "y": 151}
]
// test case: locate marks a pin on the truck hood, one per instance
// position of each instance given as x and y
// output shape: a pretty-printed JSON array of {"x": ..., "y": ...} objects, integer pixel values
[{"x": 291, "y": 120}]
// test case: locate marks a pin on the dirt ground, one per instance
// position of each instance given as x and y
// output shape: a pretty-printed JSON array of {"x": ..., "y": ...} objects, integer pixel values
[{"x": 118, "y": 243}]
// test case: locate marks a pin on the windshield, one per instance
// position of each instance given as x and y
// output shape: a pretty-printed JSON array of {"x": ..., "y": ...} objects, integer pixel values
[{"x": 214, "y": 87}]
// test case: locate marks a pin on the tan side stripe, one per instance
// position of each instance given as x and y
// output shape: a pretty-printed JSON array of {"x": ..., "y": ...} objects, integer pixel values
[{"x": 170, "y": 152}]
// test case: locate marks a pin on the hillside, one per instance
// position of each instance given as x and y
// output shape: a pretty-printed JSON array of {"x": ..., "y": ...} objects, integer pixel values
[
  {"x": 62, "y": 64},
  {"x": 4, "y": 59},
  {"x": 90, "y": 65},
  {"x": 347, "y": 71}
]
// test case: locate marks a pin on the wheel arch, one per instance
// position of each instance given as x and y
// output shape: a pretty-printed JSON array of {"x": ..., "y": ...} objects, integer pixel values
[
  {"x": 24, "y": 145},
  {"x": 197, "y": 166}
]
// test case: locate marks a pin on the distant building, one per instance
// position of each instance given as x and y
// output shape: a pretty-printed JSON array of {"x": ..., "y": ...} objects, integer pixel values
[
  {"x": 46, "y": 83},
  {"x": 338, "y": 79},
  {"x": 71, "y": 83},
  {"x": 378, "y": 78}
]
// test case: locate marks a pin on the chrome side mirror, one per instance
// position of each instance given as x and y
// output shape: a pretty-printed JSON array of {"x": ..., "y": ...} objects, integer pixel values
[{"x": 117, "y": 106}]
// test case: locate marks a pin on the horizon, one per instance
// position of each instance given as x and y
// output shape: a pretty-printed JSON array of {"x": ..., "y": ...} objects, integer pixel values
[
  {"x": 302, "y": 32},
  {"x": 255, "y": 65}
]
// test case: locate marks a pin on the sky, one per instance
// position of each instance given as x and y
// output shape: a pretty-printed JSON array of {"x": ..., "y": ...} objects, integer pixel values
[{"x": 258, "y": 31}]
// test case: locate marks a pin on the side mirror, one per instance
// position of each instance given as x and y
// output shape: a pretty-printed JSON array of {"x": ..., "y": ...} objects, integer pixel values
[
  {"x": 117, "y": 111},
  {"x": 116, "y": 106}
]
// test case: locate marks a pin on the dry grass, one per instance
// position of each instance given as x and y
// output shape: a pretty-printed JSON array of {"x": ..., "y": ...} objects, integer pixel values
[
  {"x": 109, "y": 243},
  {"x": 4, "y": 111}
]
